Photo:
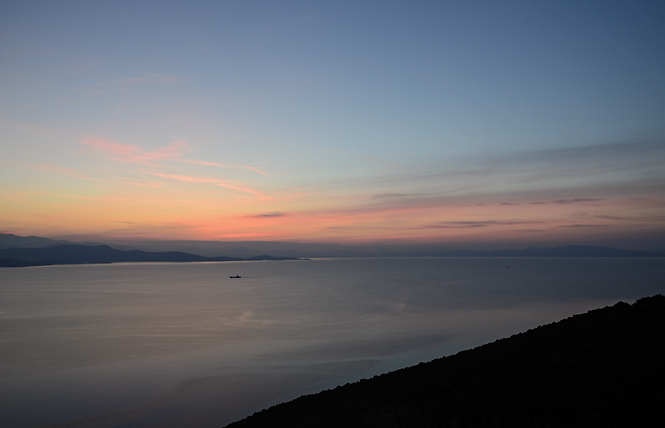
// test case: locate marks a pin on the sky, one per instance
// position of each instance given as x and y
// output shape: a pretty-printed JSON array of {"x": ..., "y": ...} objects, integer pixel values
[{"x": 468, "y": 123}]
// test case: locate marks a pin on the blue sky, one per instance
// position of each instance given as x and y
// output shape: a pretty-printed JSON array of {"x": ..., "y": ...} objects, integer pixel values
[{"x": 343, "y": 121}]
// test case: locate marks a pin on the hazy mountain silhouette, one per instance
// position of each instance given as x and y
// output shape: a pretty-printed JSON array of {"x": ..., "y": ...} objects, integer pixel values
[
  {"x": 9, "y": 240},
  {"x": 250, "y": 249},
  {"x": 292, "y": 249},
  {"x": 32, "y": 250},
  {"x": 75, "y": 254},
  {"x": 600, "y": 369}
]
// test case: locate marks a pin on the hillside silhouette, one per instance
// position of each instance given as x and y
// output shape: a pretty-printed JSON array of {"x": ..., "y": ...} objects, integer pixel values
[
  {"x": 77, "y": 254},
  {"x": 604, "y": 368}
]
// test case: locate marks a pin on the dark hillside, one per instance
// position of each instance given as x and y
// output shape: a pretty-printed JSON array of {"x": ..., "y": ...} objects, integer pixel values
[
  {"x": 605, "y": 368},
  {"x": 75, "y": 254},
  {"x": 94, "y": 254}
]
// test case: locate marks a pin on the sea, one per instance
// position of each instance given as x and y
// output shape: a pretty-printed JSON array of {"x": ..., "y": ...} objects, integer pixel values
[{"x": 184, "y": 345}]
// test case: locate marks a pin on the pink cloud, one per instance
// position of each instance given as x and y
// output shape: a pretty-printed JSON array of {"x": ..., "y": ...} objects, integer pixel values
[
  {"x": 133, "y": 154},
  {"x": 186, "y": 178},
  {"x": 220, "y": 183},
  {"x": 240, "y": 188},
  {"x": 196, "y": 162},
  {"x": 130, "y": 153},
  {"x": 171, "y": 151},
  {"x": 254, "y": 169}
]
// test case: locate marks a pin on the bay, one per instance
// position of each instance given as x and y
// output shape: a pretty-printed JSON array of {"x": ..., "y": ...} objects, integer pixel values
[{"x": 140, "y": 345}]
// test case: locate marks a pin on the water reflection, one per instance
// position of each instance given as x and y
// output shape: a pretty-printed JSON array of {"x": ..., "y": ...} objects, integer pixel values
[{"x": 128, "y": 344}]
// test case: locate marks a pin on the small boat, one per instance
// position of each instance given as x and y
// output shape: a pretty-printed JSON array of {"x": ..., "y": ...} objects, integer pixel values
[{"x": 237, "y": 276}]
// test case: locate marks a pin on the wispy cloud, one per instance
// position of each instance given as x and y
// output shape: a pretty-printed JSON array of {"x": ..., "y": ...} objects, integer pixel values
[
  {"x": 575, "y": 201},
  {"x": 455, "y": 226},
  {"x": 123, "y": 152},
  {"x": 636, "y": 218},
  {"x": 222, "y": 165},
  {"x": 393, "y": 195},
  {"x": 215, "y": 181},
  {"x": 172, "y": 152},
  {"x": 602, "y": 169},
  {"x": 187, "y": 178},
  {"x": 198, "y": 162},
  {"x": 254, "y": 169},
  {"x": 244, "y": 189},
  {"x": 477, "y": 224},
  {"x": 264, "y": 215},
  {"x": 566, "y": 201},
  {"x": 582, "y": 225}
]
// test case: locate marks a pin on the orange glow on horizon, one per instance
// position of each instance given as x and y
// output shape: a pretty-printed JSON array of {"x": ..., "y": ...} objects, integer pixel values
[
  {"x": 177, "y": 204},
  {"x": 112, "y": 215}
]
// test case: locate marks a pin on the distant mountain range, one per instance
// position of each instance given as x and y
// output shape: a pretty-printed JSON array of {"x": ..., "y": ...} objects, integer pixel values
[
  {"x": 313, "y": 250},
  {"x": 78, "y": 254},
  {"x": 600, "y": 369},
  {"x": 55, "y": 253},
  {"x": 32, "y": 250}
]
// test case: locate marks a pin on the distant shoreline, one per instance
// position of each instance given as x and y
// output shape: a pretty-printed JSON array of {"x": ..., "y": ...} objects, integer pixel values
[
  {"x": 104, "y": 254},
  {"x": 16, "y": 251},
  {"x": 10, "y": 263}
]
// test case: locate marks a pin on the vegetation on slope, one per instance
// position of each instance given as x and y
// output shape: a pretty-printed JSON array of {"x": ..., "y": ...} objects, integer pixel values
[{"x": 604, "y": 368}]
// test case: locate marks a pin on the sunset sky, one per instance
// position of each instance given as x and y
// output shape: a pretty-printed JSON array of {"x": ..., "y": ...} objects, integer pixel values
[{"x": 459, "y": 122}]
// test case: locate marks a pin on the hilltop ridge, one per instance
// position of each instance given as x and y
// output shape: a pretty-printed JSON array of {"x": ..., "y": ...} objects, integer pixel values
[{"x": 603, "y": 368}]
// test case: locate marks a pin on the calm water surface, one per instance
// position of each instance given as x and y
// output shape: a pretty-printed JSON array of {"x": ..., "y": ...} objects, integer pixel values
[{"x": 138, "y": 345}]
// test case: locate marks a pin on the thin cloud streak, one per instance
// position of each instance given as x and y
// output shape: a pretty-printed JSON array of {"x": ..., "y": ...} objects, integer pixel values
[
  {"x": 598, "y": 166},
  {"x": 217, "y": 182},
  {"x": 475, "y": 224},
  {"x": 172, "y": 152},
  {"x": 582, "y": 225},
  {"x": 197, "y": 162},
  {"x": 245, "y": 189},
  {"x": 268, "y": 215},
  {"x": 122, "y": 152},
  {"x": 186, "y": 178},
  {"x": 647, "y": 218},
  {"x": 254, "y": 169},
  {"x": 394, "y": 195},
  {"x": 575, "y": 201}
]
